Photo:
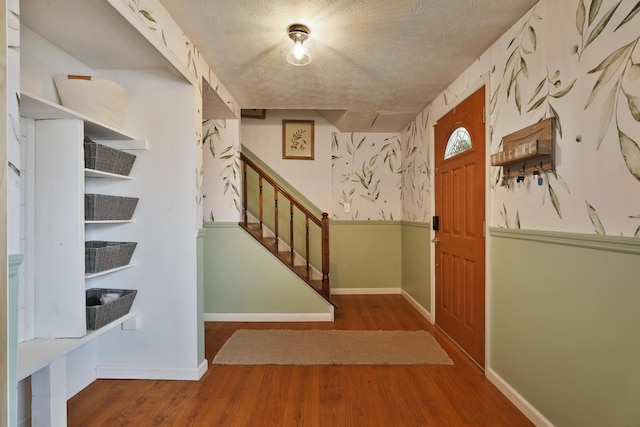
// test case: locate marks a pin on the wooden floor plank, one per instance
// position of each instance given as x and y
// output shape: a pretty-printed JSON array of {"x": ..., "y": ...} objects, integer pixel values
[{"x": 284, "y": 396}]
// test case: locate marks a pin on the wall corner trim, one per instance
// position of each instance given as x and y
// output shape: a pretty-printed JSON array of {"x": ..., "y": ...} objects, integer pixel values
[{"x": 201, "y": 233}]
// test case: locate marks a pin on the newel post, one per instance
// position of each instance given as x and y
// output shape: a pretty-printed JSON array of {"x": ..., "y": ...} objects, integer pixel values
[{"x": 325, "y": 255}]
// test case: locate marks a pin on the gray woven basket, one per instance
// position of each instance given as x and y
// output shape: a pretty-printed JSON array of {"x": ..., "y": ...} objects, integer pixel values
[
  {"x": 107, "y": 159},
  {"x": 103, "y": 207},
  {"x": 100, "y": 256},
  {"x": 99, "y": 315}
]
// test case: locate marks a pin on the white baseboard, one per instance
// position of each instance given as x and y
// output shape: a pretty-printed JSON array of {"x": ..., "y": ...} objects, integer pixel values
[
  {"x": 365, "y": 291},
  {"x": 145, "y": 373},
  {"x": 521, "y": 403},
  {"x": 423, "y": 311},
  {"x": 202, "y": 368},
  {"x": 269, "y": 317}
]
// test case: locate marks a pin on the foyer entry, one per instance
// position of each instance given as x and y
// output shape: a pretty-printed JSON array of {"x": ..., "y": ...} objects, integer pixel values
[{"x": 459, "y": 241}]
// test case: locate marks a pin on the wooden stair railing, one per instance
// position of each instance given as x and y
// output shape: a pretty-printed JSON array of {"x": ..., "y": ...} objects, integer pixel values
[{"x": 272, "y": 243}]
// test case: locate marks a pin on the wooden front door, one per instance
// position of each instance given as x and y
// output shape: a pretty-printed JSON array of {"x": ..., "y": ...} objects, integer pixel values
[{"x": 459, "y": 240}]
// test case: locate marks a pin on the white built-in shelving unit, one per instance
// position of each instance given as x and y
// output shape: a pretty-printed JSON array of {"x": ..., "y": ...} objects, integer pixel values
[
  {"x": 59, "y": 233},
  {"x": 60, "y": 357}
]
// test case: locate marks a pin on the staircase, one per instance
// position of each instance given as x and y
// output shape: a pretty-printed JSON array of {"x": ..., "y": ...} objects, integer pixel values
[{"x": 309, "y": 260}]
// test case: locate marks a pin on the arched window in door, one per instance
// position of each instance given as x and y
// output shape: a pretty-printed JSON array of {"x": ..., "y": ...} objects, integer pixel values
[{"x": 459, "y": 142}]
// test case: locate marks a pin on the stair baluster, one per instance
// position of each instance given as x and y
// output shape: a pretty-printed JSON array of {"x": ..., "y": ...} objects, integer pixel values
[
  {"x": 260, "y": 201},
  {"x": 307, "y": 249},
  {"x": 244, "y": 195},
  {"x": 292, "y": 253},
  {"x": 325, "y": 254},
  {"x": 275, "y": 222},
  {"x": 304, "y": 271}
]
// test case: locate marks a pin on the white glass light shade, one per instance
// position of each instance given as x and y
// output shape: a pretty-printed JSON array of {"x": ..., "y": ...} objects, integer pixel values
[
  {"x": 298, "y": 54},
  {"x": 298, "y": 49}
]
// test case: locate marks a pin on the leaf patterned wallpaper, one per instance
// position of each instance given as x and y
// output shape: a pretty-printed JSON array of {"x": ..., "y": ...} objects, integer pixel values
[
  {"x": 416, "y": 170},
  {"x": 11, "y": 70},
  {"x": 159, "y": 21},
  {"x": 221, "y": 176},
  {"x": 155, "y": 17},
  {"x": 577, "y": 61},
  {"x": 366, "y": 176}
]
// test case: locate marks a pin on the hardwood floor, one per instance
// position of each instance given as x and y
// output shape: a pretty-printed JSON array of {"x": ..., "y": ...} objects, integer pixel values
[{"x": 309, "y": 395}]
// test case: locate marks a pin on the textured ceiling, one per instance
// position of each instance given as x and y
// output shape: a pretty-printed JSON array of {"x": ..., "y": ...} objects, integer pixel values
[{"x": 377, "y": 63}]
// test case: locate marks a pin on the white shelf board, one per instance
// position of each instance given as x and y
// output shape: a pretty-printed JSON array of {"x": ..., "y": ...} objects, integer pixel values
[
  {"x": 37, "y": 353},
  {"x": 93, "y": 173},
  {"x": 38, "y": 108},
  {"x": 108, "y": 221},
  {"x": 127, "y": 145},
  {"x": 102, "y": 273}
]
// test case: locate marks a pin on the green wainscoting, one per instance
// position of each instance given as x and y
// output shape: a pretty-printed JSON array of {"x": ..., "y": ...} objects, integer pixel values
[
  {"x": 416, "y": 262},
  {"x": 241, "y": 276},
  {"x": 366, "y": 254},
  {"x": 565, "y": 324}
]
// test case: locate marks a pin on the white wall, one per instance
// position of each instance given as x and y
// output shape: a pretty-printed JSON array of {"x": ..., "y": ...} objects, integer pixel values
[
  {"x": 39, "y": 65},
  {"x": 311, "y": 177},
  {"x": 166, "y": 277},
  {"x": 160, "y": 110},
  {"x": 359, "y": 169}
]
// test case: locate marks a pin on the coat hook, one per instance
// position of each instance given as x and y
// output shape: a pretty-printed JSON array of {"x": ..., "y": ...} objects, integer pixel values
[
  {"x": 520, "y": 178},
  {"x": 505, "y": 177},
  {"x": 538, "y": 175}
]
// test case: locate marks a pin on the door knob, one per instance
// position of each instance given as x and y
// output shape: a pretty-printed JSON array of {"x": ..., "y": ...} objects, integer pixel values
[{"x": 435, "y": 240}]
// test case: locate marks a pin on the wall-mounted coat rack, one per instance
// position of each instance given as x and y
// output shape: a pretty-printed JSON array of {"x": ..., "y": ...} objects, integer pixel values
[{"x": 527, "y": 151}]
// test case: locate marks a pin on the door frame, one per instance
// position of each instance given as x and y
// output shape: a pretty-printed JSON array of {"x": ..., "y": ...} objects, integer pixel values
[{"x": 438, "y": 114}]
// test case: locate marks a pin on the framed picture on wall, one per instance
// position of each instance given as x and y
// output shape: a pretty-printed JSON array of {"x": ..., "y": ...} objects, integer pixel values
[{"x": 297, "y": 139}]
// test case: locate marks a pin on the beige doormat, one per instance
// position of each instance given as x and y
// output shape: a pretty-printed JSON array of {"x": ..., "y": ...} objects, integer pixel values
[{"x": 331, "y": 347}]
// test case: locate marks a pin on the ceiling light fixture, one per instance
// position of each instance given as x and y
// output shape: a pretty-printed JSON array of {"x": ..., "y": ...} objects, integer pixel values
[{"x": 299, "y": 54}]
